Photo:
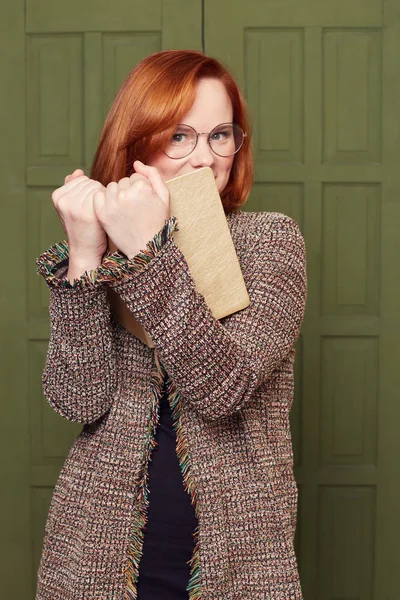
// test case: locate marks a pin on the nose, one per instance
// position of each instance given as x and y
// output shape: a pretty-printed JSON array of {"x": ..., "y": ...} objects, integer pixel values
[{"x": 202, "y": 155}]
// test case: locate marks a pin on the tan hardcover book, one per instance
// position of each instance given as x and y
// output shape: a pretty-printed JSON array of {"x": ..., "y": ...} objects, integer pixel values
[{"x": 205, "y": 241}]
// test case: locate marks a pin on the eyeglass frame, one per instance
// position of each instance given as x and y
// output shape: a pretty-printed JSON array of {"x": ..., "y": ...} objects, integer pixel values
[{"x": 198, "y": 133}]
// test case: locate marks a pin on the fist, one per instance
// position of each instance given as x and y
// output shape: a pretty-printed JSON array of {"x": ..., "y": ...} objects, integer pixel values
[
  {"x": 74, "y": 203},
  {"x": 133, "y": 210}
]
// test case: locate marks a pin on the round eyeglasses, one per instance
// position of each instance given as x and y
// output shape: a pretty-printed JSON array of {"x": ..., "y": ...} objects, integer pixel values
[{"x": 224, "y": 140}]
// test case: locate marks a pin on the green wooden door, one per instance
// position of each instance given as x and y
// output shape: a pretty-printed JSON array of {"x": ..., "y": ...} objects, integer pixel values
[
  {"x": 322, "y": 80},
  {"x": 61, "y": 65}
]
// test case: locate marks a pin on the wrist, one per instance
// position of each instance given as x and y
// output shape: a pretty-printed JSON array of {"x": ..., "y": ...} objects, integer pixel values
[
  {"x": 133, "y": 248},
  {"x": 77, "y": 266}
]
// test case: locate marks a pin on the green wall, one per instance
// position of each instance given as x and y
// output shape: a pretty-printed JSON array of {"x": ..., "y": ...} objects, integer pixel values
[{"x": 322, "y": 81}]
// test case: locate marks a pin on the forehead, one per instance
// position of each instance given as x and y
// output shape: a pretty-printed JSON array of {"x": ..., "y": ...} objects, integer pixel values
[{"x": 211, "y": 107}]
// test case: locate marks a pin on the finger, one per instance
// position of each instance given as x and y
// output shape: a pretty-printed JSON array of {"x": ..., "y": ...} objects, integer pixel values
[
  {"x": 76, "y": 173},
  {"x": 155, "y": 179},
  {"x": 99, "y": 198},
  {"x": 75, "y": 197},
  {"x": 112, "y": 189},
  {"x": 84, "y": 188},
  {"x": 111, "y": 193},
  {"x": 140, "y": 167},
  {"x": 137, "y": 177},
  {"x": 124, "y": 183},
  {"x": 139, "y": 184},
  {"x": 65, "y": 189}
]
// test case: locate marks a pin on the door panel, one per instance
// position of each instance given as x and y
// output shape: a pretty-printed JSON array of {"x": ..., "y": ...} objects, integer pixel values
[
  {"x": 68, "y": 61},
  {"x": 320, "y": 82}
]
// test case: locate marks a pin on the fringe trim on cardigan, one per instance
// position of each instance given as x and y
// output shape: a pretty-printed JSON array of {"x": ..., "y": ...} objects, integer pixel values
[
  {"x": 135, "y": 549},
  {"x": 194, "y": 585},
  {"x": 140, "y": 515},
  {"x": 115, "y": 267}
]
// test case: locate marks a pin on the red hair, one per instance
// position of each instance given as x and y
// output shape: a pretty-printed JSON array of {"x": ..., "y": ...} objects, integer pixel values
[{"x": 152, "y": 100}]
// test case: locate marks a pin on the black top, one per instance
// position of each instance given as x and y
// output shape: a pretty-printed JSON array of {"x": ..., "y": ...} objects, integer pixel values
[{"x": 168, "y": 540}]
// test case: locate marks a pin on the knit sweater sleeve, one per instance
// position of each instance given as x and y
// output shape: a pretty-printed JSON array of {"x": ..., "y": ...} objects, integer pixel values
[
  {"x": 216, "y": 366},
  {"x": 79, "y": 378}
]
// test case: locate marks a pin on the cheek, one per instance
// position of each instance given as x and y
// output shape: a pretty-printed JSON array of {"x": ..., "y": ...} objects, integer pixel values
[
  {"x": 167, "y": 167},
  {"x": 224, "y": 171}
]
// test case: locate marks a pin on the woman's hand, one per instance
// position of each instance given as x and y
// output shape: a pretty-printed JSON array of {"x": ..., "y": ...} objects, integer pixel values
[
  {"x": 133, "y": 210},
  {"x": 87, "y": 241}
]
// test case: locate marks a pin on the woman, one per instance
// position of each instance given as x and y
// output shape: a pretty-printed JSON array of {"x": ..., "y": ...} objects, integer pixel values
[{"x": 227, "y": 385}]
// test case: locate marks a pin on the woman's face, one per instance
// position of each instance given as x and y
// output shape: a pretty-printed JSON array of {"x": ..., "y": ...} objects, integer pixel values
[{"x": 211, "y": 107}]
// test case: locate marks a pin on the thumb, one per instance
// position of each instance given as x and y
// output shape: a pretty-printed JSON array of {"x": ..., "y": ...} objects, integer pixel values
[{"x": 153, "y": 175}]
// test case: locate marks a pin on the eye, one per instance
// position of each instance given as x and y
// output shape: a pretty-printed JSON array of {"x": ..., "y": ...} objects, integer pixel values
[
  {"x": 179, "y": 138},
  {"x": 221, "y": 136},
  {"x": 183, "y": 135}
]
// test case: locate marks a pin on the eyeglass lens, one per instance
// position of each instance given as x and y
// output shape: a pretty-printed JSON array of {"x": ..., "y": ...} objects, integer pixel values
[{"x": 225, "y": 139}]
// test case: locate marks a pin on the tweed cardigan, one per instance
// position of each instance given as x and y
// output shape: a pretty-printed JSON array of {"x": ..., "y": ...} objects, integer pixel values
[{"x": 230, "y": 387}]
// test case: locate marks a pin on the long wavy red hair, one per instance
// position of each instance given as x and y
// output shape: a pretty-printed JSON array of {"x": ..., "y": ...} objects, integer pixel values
[{"x": 152, "y": 100}]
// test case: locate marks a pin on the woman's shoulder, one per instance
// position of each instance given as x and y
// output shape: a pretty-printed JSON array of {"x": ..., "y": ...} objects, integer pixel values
[
  {"x": 268, "y": 238},
  {"x": 261, "y": 225}
]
